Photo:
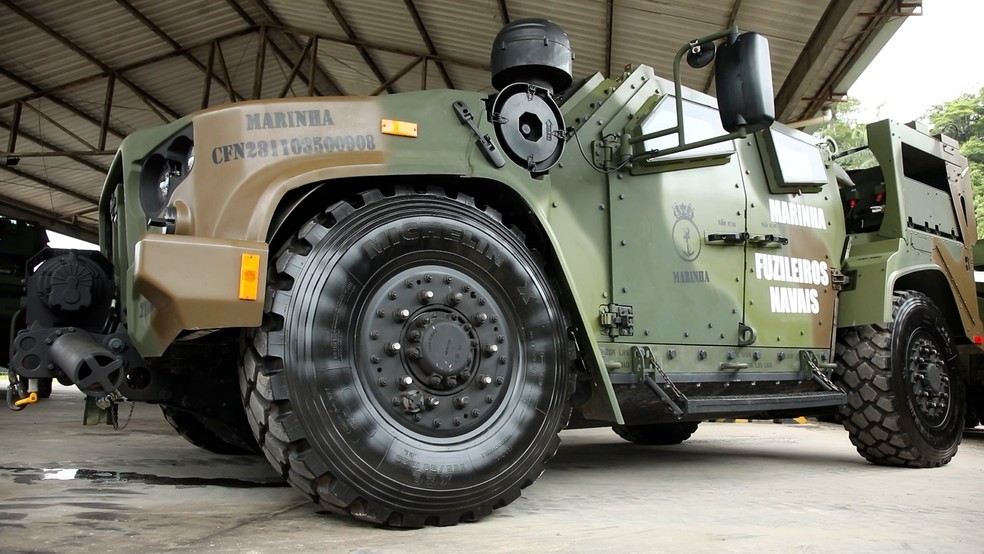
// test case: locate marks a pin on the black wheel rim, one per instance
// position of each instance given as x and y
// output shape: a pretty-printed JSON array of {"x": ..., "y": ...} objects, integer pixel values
[
  {"x": 439, "y": 347},
  {"x": 927, "y": 379}
]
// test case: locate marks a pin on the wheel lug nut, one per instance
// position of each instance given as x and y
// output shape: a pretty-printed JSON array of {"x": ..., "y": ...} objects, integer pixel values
[
  {"x": 499, "y": 380},
  {"x": 447, "y": 280},
  {"x": 481, "y": 301},
  {"x": 437, "y": 422},
  {"x": 382, "y": 381},
  {"x": 489, "y": 399},
  {"x": 461, "y": 401},
  {"x": 502, "y": 360},
  {"x": 495, "y": 318},
  {"x": 452, "y": 382},
  {"x": 393, "y": 348},
  {"x": 428, "y": 278},
  {"x": 455, "y": 298},
  {"x": 401, "y": 315},
  {"x": 480, "y": 318},
  {"x": 466, "y": 288},
  {"x": 484, "y": 381},
  {"x": 374, "y": 359},
  {"x": 458, "y": 421},
  {"x": 397, "y": 401},
  {"x": 418, "y": 417},
  {"x": 380, "y": 313},
  {"x": 433, "y": 402},
  {"x": 425, "y": 296},
  {"x": 414, "y": 335},
  {"x": 374, "y": 335},
  {"x": 435, "y": 381},
  {"x": 491, "y": 350},
  {"x": 476, "y": 413},
  {"x": 414, "y": 353},
  {"x": 409, "y": 284},
  {"x": 500, "y": 339},
  {"x": 423, "y": 321},
  {"x": 466, "y": 374},
  {"x": 393, "y": 295},
  {"x": 405, "y": 381}
]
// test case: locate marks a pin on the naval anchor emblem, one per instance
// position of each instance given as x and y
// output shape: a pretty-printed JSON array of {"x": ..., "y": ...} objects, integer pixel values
[{"x": 686, "y": 235}]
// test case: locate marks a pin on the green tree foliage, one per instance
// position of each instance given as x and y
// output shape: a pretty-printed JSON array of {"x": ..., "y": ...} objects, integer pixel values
[
  {"x": 848, "y": 132},
  {"x": 963, "y": 119}
]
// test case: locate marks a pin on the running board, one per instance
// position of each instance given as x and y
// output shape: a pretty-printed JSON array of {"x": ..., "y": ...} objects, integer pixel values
[
  {"x": 681, "y": 405},
  {"x": 748, "y": 402}
]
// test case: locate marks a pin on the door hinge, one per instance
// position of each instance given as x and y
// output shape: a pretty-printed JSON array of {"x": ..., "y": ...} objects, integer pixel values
[{"x": 617, "y": 320}]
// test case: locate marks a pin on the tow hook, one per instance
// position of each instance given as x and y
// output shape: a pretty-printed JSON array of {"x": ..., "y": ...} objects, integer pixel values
[
  {"x": 29, "y": 399},
  {"x": 17, "y": 394}
]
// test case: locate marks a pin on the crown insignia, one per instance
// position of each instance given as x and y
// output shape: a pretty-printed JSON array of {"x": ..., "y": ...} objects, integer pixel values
[{"x": 683, "y": 211}]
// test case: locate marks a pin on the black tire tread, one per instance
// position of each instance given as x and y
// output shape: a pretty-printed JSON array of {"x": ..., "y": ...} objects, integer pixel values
[
  {"x": 214, "y": 436},
  {"x": 870, "y": 415},
  {"x": 657, "y": 434},
  {"x": 278, "y": 430}
]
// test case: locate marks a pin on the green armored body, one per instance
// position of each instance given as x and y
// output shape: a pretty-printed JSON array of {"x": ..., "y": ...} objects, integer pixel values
[{"x": 402, "y": 300}]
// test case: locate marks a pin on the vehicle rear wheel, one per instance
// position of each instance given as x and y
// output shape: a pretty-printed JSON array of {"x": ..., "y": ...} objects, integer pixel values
[
  {"x": 412, "y": 367},
  {"x": 657, "y": 434},
  {"x": 904, "y": 389},
  {"x": 210, "y": 434}
]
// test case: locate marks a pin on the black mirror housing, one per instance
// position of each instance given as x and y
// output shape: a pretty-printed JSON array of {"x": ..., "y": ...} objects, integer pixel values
[{"x": 743, "y": 73}]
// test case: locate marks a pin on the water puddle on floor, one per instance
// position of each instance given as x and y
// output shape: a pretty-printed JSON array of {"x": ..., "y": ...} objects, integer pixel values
[{"x": 29, "y": 476}]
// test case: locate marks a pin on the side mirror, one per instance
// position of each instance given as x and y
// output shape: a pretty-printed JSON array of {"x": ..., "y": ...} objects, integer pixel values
[{"x": 743, "y": 73}]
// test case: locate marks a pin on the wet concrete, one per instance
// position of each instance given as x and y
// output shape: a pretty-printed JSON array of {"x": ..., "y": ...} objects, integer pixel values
[{"x": 731, "y": 488}]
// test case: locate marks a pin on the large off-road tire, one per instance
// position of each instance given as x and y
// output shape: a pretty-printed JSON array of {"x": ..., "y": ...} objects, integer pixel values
[
  {"x": 213, "y": 435},
  {"x": 905, "y": 397},
  {"x": 412, "y": 367},
  {"x": 657, "y": 434}
]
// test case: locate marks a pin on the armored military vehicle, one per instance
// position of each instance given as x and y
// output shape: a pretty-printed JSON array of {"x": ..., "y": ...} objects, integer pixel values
[{"x": 411, "y": 295}]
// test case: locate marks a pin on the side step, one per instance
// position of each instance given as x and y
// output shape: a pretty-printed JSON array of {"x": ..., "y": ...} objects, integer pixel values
[
  {"x": 742, "y": 403},
  {"x": 681, "y": 405}
]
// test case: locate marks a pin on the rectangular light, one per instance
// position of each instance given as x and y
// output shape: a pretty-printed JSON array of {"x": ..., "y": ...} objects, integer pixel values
[
  {"x": 398, "y": 128},
  {"x": 249, "y": 277}
]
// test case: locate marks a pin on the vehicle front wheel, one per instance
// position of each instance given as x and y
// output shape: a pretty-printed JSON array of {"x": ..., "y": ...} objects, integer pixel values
[
  {"x": 905, "y": 397},
  {"x": 412, "y": 368}
]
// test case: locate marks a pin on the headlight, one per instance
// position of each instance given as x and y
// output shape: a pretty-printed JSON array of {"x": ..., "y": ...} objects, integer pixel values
[
  {"x": 170, "y": 174},
  {"x": 164, "y": 169}
]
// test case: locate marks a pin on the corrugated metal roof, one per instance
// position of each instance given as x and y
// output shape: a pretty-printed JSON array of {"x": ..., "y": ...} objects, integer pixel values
[{"x": 58, "y": 56}]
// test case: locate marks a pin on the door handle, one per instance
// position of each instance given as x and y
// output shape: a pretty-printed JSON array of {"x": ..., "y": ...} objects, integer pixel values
[
  {"x": 768, "y": 240},
  {"x": 727, "y": 238}
]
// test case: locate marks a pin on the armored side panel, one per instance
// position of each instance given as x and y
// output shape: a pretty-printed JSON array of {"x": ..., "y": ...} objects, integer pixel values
[{"x": 912, "y": 228}]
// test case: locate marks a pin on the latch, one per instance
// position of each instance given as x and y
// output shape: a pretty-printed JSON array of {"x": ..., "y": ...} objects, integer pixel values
[
  {"x": 617, "y": 320},
  {"x": 605, "y": 151},
  {"x": 729, "y": 239},
  {"x": 768, "y": 240},
  {"x": 484, "y": 142}
]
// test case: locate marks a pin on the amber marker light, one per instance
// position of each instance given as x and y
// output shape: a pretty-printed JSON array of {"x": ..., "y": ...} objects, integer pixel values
[
  {"x": 398, "y": 128},
  {"x": 249, "y": 277}
]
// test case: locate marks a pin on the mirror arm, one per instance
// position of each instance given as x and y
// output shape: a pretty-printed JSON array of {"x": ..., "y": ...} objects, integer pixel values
[
  {"x": 628, "y": 141},
  {"x": 739, "y": 134}
]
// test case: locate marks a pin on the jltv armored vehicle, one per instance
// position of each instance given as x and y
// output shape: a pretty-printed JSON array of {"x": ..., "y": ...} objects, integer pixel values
[{"x": 411, "y": 295}]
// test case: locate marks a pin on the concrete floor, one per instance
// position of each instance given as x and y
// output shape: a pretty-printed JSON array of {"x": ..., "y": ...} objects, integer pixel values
[{"x": 755, "y": 487}]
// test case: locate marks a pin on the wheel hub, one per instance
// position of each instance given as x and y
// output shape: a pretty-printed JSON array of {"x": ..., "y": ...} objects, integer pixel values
[
  {"x": 446, "y": 346},
  {"x": 439, "y": 353},
  {"x": 928, "y": 380}
]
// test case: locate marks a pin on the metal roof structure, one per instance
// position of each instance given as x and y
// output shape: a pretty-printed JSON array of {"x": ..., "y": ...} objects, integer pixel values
[{"x": 78, "y": 76}]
